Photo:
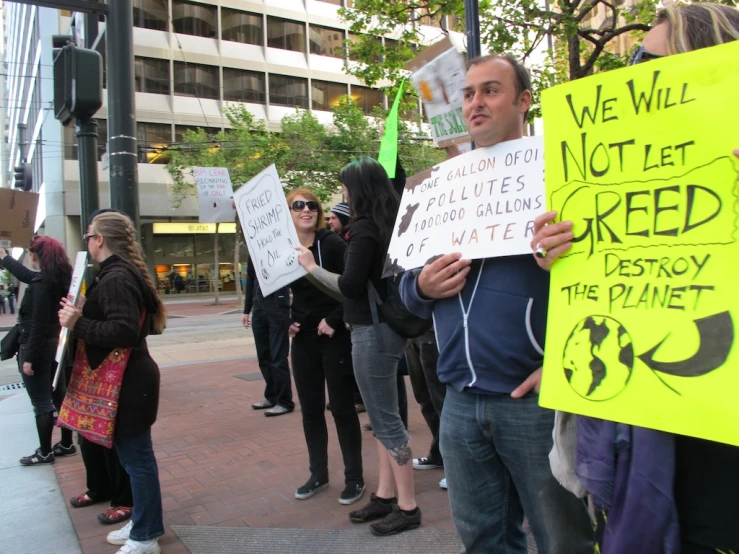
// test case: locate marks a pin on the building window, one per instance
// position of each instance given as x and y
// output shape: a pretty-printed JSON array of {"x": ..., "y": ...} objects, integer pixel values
[
  {"x": 288, "y": 91},
  {"x": 154, "y": 139},
  {"x": 152, "y": 75},
  {"x": 367, "y": 98},
  {"x": 326, "y": 95},
  {"x": 325, "y": 41},
  {"x": 243, "y": 86},
  {"x": 180, "y": 130},
  {"x": 198, "y": 80},
  {"x": 150, "y": 14},
  {"x": 243, "y": 27},
  {"x": 199, "y": 20},
  {"x": 285, "y": 34}
]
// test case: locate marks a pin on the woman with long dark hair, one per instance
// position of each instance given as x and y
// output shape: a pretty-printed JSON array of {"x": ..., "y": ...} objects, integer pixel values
[
  {"x": 121, "y": 310},
  {"x": 376, "y": 349},
  {"x": 321, "y": 356},
  {"x": 38, "y": 320}
]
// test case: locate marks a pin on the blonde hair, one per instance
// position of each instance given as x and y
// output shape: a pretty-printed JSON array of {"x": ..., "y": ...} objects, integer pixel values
[
  {"x": 120, "y": 238},
  {"x": 699, "y": 25},
  {"x": 308, "y": 195}
]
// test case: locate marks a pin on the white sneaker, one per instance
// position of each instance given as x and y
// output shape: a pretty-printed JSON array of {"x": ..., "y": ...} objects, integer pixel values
[
  {"x": 140, "y": 547},
  {"x": 120, "y": 536},
  {"x": 442, "y": 483}
]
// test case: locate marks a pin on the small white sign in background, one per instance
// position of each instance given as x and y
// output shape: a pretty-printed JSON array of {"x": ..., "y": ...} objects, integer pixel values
[
  {"x": 482, "y": 204},
  {"x": 269, "y": 231},
  {"x": 215, "y": 194}
]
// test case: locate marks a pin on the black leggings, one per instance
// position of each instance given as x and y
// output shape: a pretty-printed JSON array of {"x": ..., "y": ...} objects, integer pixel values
[
  {"x": 319, "y": 363},
  {"x": 45, "y": 401},
  {"x": 38, "y": 385}
]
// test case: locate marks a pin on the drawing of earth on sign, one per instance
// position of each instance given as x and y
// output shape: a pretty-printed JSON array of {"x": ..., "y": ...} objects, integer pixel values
[{"x": 598, "y": 358}]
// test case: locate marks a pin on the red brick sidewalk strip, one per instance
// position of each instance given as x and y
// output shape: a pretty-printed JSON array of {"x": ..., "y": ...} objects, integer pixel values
[{"x": 222, "y": 463}]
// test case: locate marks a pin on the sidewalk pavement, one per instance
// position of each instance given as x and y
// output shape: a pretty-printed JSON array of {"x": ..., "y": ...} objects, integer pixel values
[
  {"x": 223, "y": 464},
  {"x": 31, "y": 504},
  {"x": 7, "y": 320}
]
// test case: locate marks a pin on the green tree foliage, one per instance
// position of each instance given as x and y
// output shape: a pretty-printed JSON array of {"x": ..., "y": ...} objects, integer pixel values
[
  {"x": 518, "y": 27},
  {"x": 307, "y": 153}
]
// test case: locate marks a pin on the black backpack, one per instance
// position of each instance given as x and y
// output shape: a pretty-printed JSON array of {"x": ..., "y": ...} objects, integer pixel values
[{"x": 403, "y": 322}]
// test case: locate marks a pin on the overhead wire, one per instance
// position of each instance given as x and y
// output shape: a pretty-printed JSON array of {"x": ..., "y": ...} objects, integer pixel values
[{"x": 187, "y": 70}]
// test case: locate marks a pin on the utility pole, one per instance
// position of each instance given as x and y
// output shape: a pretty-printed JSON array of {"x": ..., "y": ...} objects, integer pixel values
[
  {"x": 472, "y": 20},
  {"x": 87, "y": 147},
  {"x": 122, "y": 144},
  {"x": 472, "y": 23}
]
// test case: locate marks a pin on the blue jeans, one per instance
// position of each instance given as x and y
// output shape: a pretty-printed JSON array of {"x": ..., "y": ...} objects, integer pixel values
[
  {"x": 496, "y": 460},
  {"x": 137, "y": 458}
]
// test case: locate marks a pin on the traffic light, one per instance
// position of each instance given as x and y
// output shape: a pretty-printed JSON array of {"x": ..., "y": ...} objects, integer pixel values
[
  {"x": 78, "y": 81},
  {"x": 23, "y": 177}
]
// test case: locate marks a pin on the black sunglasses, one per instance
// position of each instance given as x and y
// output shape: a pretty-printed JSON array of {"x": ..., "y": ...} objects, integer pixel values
[
  {"x": 641, "y": 55},
  {"x": 89, "y": 236},
  {"x": 299, "y": 205}
]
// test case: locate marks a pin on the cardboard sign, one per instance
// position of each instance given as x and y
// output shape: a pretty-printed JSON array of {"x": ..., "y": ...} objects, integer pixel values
[
  {"x": 482, "y": 204},
  {"x": 215, "y": 194},
  {"x": 17, "y": 217},
  {"x": 75, "y": 289},
  {"x": 438, "y": 76},
  {"x": 644, "y": 309},
  {"x": 269, "y": 231}
]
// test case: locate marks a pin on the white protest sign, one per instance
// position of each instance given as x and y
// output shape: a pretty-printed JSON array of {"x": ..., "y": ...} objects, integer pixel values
[
  {"x": 482, "y": 204},
  {"x": 75, "y": 286},
  {"x": 438, "y": 76},
  {"x": 215, "y": 194},
  {"x": 269, "y": 230}
]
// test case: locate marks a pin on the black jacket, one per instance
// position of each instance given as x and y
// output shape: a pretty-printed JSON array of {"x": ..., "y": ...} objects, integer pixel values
[
  {"x": 310, "y": 305},
  {"x": 38, "y": 315},
  {"x": 364, "y": 261},
  {"x": 111, "y": 318}
]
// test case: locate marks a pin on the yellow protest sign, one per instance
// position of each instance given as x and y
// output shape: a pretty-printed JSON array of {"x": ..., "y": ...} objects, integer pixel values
[{"x": 644, "y": 308}]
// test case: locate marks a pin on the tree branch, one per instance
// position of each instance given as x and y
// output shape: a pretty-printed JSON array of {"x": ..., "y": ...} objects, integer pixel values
[{"x": 609, "y": 34}]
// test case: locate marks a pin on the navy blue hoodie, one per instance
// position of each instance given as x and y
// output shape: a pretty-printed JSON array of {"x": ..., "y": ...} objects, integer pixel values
[{"x": 490, "y": 335}]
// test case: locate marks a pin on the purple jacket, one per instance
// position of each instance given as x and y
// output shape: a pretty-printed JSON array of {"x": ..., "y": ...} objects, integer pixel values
[{"x": 630, "y": 473}]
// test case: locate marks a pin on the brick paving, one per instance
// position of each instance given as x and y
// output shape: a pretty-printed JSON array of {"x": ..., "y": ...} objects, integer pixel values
[{"x": 223, "y": 464}]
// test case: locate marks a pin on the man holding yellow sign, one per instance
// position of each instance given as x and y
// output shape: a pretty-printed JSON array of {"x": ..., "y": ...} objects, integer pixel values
[{"x": 643, "y": 300}]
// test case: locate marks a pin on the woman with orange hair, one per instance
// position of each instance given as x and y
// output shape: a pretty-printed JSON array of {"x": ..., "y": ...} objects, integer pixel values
[{"x": 321, "y": 356}]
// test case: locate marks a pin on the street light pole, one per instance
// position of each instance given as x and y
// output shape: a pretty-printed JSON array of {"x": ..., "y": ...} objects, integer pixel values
[
  {"x": 472, "y": 20},
  {"x": 123, "y": 154},
  {"x": 87, "y": 148}
]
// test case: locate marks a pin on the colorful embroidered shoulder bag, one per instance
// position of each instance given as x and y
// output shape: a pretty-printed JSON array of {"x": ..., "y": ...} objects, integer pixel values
[{"x": 91, "y": 404}]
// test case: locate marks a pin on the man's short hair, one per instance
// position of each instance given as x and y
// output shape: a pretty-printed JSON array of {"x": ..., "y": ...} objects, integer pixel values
[{"x": 523, "y": 79}]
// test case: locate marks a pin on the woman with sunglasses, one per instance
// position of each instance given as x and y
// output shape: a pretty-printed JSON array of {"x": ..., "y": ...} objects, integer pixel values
[
  {"x": 683, "y": 496},
  {"x": 376, "y": 349},
  {"x": 38, "y": 322},
  {"x": 321, "y": 356}
]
